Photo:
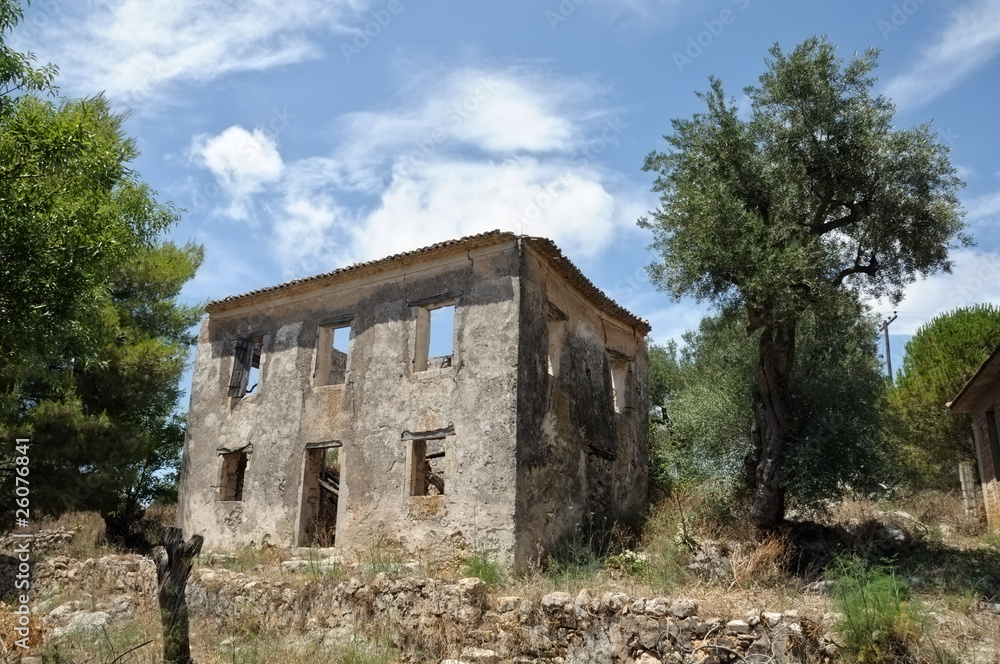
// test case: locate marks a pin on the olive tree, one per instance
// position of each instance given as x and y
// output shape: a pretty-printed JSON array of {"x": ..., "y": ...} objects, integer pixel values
[{"x": 812, "y": 196}]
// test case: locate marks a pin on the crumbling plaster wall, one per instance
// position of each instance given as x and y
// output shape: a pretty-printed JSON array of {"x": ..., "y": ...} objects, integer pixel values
[
  {"x": 579, "y": 463},
  {"x": 382, "y": 398},
  {"x": 987, "y": 467},
  {"x": 475, "y": 396},
  {"x": 267, "y": 419}
]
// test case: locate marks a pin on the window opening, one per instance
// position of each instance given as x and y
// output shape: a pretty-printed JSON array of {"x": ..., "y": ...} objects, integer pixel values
[
  {"x": 557, "y": 335},
  {"x": 619, "y": 382},
  {"x": 234, "y": 468},
  {"x": 246, "y": 367},
  {"x": 427, "y": 467},
  {"x": 991, "y": 430},
  {"x": 334, "y": 342},
  {"x": 435, "y": 335}
]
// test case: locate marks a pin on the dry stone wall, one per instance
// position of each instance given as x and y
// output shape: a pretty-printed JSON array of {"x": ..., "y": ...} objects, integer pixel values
[{"x": 463, "y": 621}]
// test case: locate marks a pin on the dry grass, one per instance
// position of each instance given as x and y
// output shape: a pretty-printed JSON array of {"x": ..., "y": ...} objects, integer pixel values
[
  {"x": 953, "y": 569},
  {"x": 88, "y": 539}
]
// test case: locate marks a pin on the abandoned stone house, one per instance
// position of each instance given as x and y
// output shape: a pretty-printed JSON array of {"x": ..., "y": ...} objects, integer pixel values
[
  {"x": 981, "y": 398},
  {"x": 477, "y": 393}
]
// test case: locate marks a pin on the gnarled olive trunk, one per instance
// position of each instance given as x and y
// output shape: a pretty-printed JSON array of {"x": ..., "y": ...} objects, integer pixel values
[{"x": 772, "y": 424}]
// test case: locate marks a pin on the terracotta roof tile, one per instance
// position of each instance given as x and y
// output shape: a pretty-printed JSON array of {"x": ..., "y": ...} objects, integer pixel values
[{"x": 545, "y": 246}]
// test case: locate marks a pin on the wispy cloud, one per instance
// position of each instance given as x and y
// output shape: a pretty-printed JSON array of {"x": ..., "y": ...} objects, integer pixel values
[
  {"x": 974, "y": 279},
  {"x": 970, "y": 40},
  {"x": 479, "y": 148},
  {"x": 983, "y": 209},
  {"x": 135, "y": 49}
]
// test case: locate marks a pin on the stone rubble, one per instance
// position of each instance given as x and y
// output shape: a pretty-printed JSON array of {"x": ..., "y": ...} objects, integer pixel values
[{"x": 462, "y": 620}]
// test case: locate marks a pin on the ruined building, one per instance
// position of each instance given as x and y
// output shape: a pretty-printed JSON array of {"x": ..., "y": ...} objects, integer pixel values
[
  {"x": 980, "y": 397},
  {"x": 477, "y": 393}
]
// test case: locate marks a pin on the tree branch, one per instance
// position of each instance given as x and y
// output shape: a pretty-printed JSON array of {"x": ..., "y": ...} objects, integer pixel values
[
  {"x": 858, "y": 212},
  {"x": 870, "y": 269}
]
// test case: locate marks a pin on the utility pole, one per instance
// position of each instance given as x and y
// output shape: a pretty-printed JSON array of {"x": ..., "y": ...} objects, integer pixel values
[{"x": 884, "y": 327}]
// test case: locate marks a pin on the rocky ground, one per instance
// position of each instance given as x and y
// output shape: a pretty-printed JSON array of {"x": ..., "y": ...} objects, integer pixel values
[{"x": 683, "y": 595}]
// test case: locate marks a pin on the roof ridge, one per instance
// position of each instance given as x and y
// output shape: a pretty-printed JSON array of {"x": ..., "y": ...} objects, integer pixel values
[{"x": 564, "y": 265}]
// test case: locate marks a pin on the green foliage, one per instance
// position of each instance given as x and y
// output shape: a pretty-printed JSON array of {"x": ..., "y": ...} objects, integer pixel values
[
  {"x": 815, "y": 188},
  {"x": 92, "y": 337},
  {"x": 881, "y": 623},
  {"x": 814, "y": 200},
  {"x": 707, "y": 413},
  {"x": 939, "y": 359},
  {"x": 838, "y": 394},
  {"x": 837, "y": 391},
  {"x": 484, "y": 566},
  {"x": 17, "y": 73},
  {"x": 105, "y": 434},
  {"x": 74, "y": 213}
]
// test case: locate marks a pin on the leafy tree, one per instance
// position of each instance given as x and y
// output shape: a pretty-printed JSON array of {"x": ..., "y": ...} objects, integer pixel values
[
  {"x": 837, "y": 388},
  {"x": 939, "y": 359},
  {"x": 92, "y": 338},
  {"x": 815, "y": 195},
  {"x": 109, "y": 430}
]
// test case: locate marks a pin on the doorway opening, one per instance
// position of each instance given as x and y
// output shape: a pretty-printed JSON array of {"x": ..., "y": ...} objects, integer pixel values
[{"x": 321, "y": 495}]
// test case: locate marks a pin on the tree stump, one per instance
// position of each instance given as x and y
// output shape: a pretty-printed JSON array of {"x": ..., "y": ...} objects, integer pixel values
[{"x": 173, "y": 565}]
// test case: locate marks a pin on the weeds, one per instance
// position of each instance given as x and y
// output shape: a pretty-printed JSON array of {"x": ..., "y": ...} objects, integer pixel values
[
  {"x": 484, "y": 566},
  {"x": 384, "y": 557},
  {"x": 119, "y": 650},
  {"x": 881, "y": 623},
  {"x": 247, "y": 558},
  {"x": 325, "y": 569}
]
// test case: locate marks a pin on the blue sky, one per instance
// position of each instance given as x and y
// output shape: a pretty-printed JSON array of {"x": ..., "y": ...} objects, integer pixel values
[{"x": 301, "y": 137}]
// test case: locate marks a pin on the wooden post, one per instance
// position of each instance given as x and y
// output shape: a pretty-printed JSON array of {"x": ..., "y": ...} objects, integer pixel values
[
  {"x": 173, "y": 565},
  {"x": 968, "y": 480}
]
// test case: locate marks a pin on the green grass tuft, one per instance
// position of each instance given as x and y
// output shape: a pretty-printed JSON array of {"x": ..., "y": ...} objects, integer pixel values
[
  {"x": 484, "y": 566},
  {"x": 881, "y": 622}
]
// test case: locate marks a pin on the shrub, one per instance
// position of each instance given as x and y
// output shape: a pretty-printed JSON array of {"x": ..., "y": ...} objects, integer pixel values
[
  {"x": 881, "y": 623},
  {"x": 483, "y": 565}
]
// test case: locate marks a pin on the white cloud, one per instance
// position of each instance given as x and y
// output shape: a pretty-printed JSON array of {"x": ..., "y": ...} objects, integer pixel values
[
  {"x": 447, "y": 199},
  {"x": 474, "y": 151},
  {"x": 985, "y": 208},
  {"x": 975, "y": 279},
  {"x": 466, "y": 151},
  {"x": 969, "y": 41},
  {"x": 133, "y": 49},
  {"x": 312, "y": 235},
  {"x": 242, "y": 162}
]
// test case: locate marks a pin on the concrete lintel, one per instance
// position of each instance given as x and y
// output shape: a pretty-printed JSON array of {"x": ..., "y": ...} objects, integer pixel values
[
  {"x": 429, "y": 435},
  {"x": 324, "y": 445},
  {"x": 434, "y": 299}
]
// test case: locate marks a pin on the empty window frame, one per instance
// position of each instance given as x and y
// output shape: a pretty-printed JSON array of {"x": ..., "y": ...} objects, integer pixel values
[
  {"x": 994, "y": 442},
  {"x": 434, "y": 339},
  {"x": 557, "y": 337},
  {"x": 246, "y": 366},
  {"x": 621, "y": 374},
  {"x": 333, "y": 347},
  {"x": 233, "y": 474},
  {"x": 428, "y": 467}
]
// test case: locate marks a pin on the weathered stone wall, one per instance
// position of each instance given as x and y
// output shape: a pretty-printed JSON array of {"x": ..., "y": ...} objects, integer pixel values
[
  {"x": 987, "y": 463},
  {"x": 383, "y": 398},
  {"x": 581, "y": 464},
  {"x": 529, "y": 457},
  {"x": 433, "y": 620}
]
